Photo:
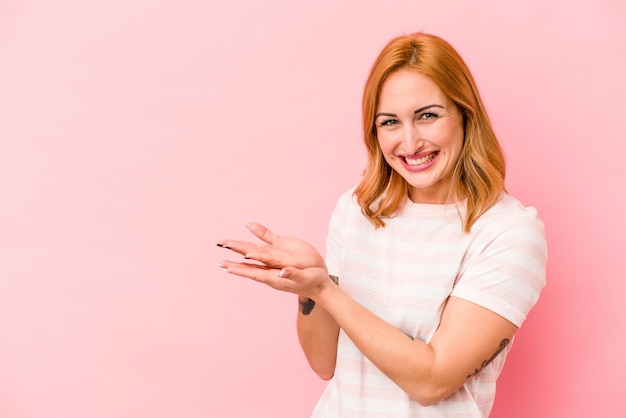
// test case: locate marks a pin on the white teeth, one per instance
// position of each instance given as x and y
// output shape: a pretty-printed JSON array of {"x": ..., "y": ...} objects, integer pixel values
[{"x": 420, "y": 161}]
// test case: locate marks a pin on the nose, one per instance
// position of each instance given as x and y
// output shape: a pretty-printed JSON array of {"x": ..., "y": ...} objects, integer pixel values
[{"x": 412, "y": 138}]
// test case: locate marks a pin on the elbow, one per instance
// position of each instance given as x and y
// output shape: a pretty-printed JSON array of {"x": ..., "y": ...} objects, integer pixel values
[
  {"x": 426, "y": 400},
  {"x": 430, "y": 387},
  {"x": 323, "y": 364},
  {"x": 325, "y": 372},
  {"x": 427, "y": 395},
  {"x": 326, "y": 375}
]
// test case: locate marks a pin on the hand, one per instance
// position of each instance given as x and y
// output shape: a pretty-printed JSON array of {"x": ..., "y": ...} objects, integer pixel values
[
  {"x": 278, "y": 251},
  {"x": 309, "y": 282}
]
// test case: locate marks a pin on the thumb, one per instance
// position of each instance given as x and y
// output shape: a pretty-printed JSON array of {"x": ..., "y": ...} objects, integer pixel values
[
  {"x": 288, "y": 273},
  {"x": 262, "y": 232},
  {"x": 294, "y": 273}
]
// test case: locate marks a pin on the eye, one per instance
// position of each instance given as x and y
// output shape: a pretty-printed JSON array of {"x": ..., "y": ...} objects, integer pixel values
[
  {"x": 428, "y": 115},
  {"x": 389, "y": 122}
]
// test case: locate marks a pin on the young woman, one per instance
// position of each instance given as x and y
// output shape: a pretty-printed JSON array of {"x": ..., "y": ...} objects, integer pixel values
[{"x": 430, "y": 268}]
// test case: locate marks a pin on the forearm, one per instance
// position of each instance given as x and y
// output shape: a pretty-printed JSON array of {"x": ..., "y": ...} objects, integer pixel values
[
  {"x": 411, "y": 364},
  {"x": 318, "y": 333}
]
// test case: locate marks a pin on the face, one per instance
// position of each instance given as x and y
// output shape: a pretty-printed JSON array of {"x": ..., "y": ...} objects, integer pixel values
[{"x": 420, "y": 132}]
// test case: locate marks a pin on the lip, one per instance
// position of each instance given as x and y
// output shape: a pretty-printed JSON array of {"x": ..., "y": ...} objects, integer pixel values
[{"x": 421, "y": 167}]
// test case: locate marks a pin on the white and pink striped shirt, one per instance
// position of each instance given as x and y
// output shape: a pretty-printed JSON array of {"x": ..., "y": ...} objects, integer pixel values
[{"x": 404, "y": 274}]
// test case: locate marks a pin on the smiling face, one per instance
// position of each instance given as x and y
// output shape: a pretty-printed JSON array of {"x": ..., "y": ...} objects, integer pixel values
[{"x": 420, "y": 133}]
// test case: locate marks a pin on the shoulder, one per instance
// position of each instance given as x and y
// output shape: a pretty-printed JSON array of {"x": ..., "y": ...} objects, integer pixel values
[
  {"x": 347, "y": 202},
  {"x": 508, "y": 213},
  {"x": 347, "y": 214},
  {"x": 510, "y": 230}
]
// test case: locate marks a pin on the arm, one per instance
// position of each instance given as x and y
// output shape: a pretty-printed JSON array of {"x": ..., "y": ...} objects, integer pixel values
[
  {"x": 318, "y": 333},
  {"x": 468, "y": 337}
]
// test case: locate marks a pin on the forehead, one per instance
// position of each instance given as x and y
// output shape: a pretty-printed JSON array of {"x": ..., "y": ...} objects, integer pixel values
[{"x": 409, "y": 87}]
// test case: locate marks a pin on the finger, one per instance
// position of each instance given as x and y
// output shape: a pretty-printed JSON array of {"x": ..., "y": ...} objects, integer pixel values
[
  {"x": 306, "y": 282},
  {"x": 298, "y": 281},
  {"x": 251, "y": 271},
  {"x": 241, "y": 247},
  {"x": 269, "y": 257},
  {"x": 262, "y": 232},
  {"x": 291, "y": 273},
  {"x": 255, "y": 272},
  {"x": 285, "y": 273}
]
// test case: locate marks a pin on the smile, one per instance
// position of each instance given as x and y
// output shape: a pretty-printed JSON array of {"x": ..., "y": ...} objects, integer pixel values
[{"x": 423, "y": 160}]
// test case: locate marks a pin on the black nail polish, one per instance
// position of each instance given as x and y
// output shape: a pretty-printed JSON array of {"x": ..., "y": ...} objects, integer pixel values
[{"x": 220, "y": 245}]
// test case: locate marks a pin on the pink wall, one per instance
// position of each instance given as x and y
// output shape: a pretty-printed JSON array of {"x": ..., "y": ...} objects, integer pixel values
[{"x": 134, "y": 134}]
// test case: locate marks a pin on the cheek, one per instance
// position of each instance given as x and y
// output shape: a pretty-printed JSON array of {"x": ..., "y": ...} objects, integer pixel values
[
  {"x": 385, "y": 142},
  {"x": 453, "y": 140},
  {"x": 455, "y": 150}
]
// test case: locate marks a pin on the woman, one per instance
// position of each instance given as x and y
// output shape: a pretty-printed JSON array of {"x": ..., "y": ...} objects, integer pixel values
[{"x": 430, "y": 268}]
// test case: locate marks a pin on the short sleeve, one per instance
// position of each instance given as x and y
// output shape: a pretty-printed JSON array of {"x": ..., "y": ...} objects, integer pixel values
[
  {"x": 334, "y": 239},
  {"x": 507, "y": 271}
]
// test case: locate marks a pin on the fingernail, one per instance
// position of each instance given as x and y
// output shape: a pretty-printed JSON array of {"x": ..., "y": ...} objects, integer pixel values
[
  {"x": 246, "y": 257},
  {"x": 283, "y": 273},
  {"x": 223, "y": 267},
  {"x": 219, "y": 245}
]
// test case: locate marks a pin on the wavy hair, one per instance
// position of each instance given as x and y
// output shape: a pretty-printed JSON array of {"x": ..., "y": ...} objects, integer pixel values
[{"x": 480, "y": 170}]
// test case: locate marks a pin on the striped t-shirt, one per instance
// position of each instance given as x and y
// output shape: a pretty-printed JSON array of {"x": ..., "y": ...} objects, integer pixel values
[{"x": 404, "y": 274}]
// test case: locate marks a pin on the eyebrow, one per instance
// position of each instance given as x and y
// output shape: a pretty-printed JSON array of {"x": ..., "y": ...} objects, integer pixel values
[{"x": 414, "y": 112}]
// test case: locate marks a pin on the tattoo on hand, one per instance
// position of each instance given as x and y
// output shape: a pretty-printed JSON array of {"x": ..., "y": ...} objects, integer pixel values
[{"x": 484, "y": 364}]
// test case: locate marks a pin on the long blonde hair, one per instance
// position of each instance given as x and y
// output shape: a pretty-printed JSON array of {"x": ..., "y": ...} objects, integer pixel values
[{"x": 480, "y": 170}]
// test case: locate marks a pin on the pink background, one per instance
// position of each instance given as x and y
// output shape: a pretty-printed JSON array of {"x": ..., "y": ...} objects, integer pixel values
[{"x": 136, "y": 133}]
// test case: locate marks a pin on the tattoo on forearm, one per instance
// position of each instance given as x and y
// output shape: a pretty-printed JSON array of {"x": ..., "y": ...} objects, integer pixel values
[
  {"x": 484, "y": 364},
  {"x": 306, "y": 306}
]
